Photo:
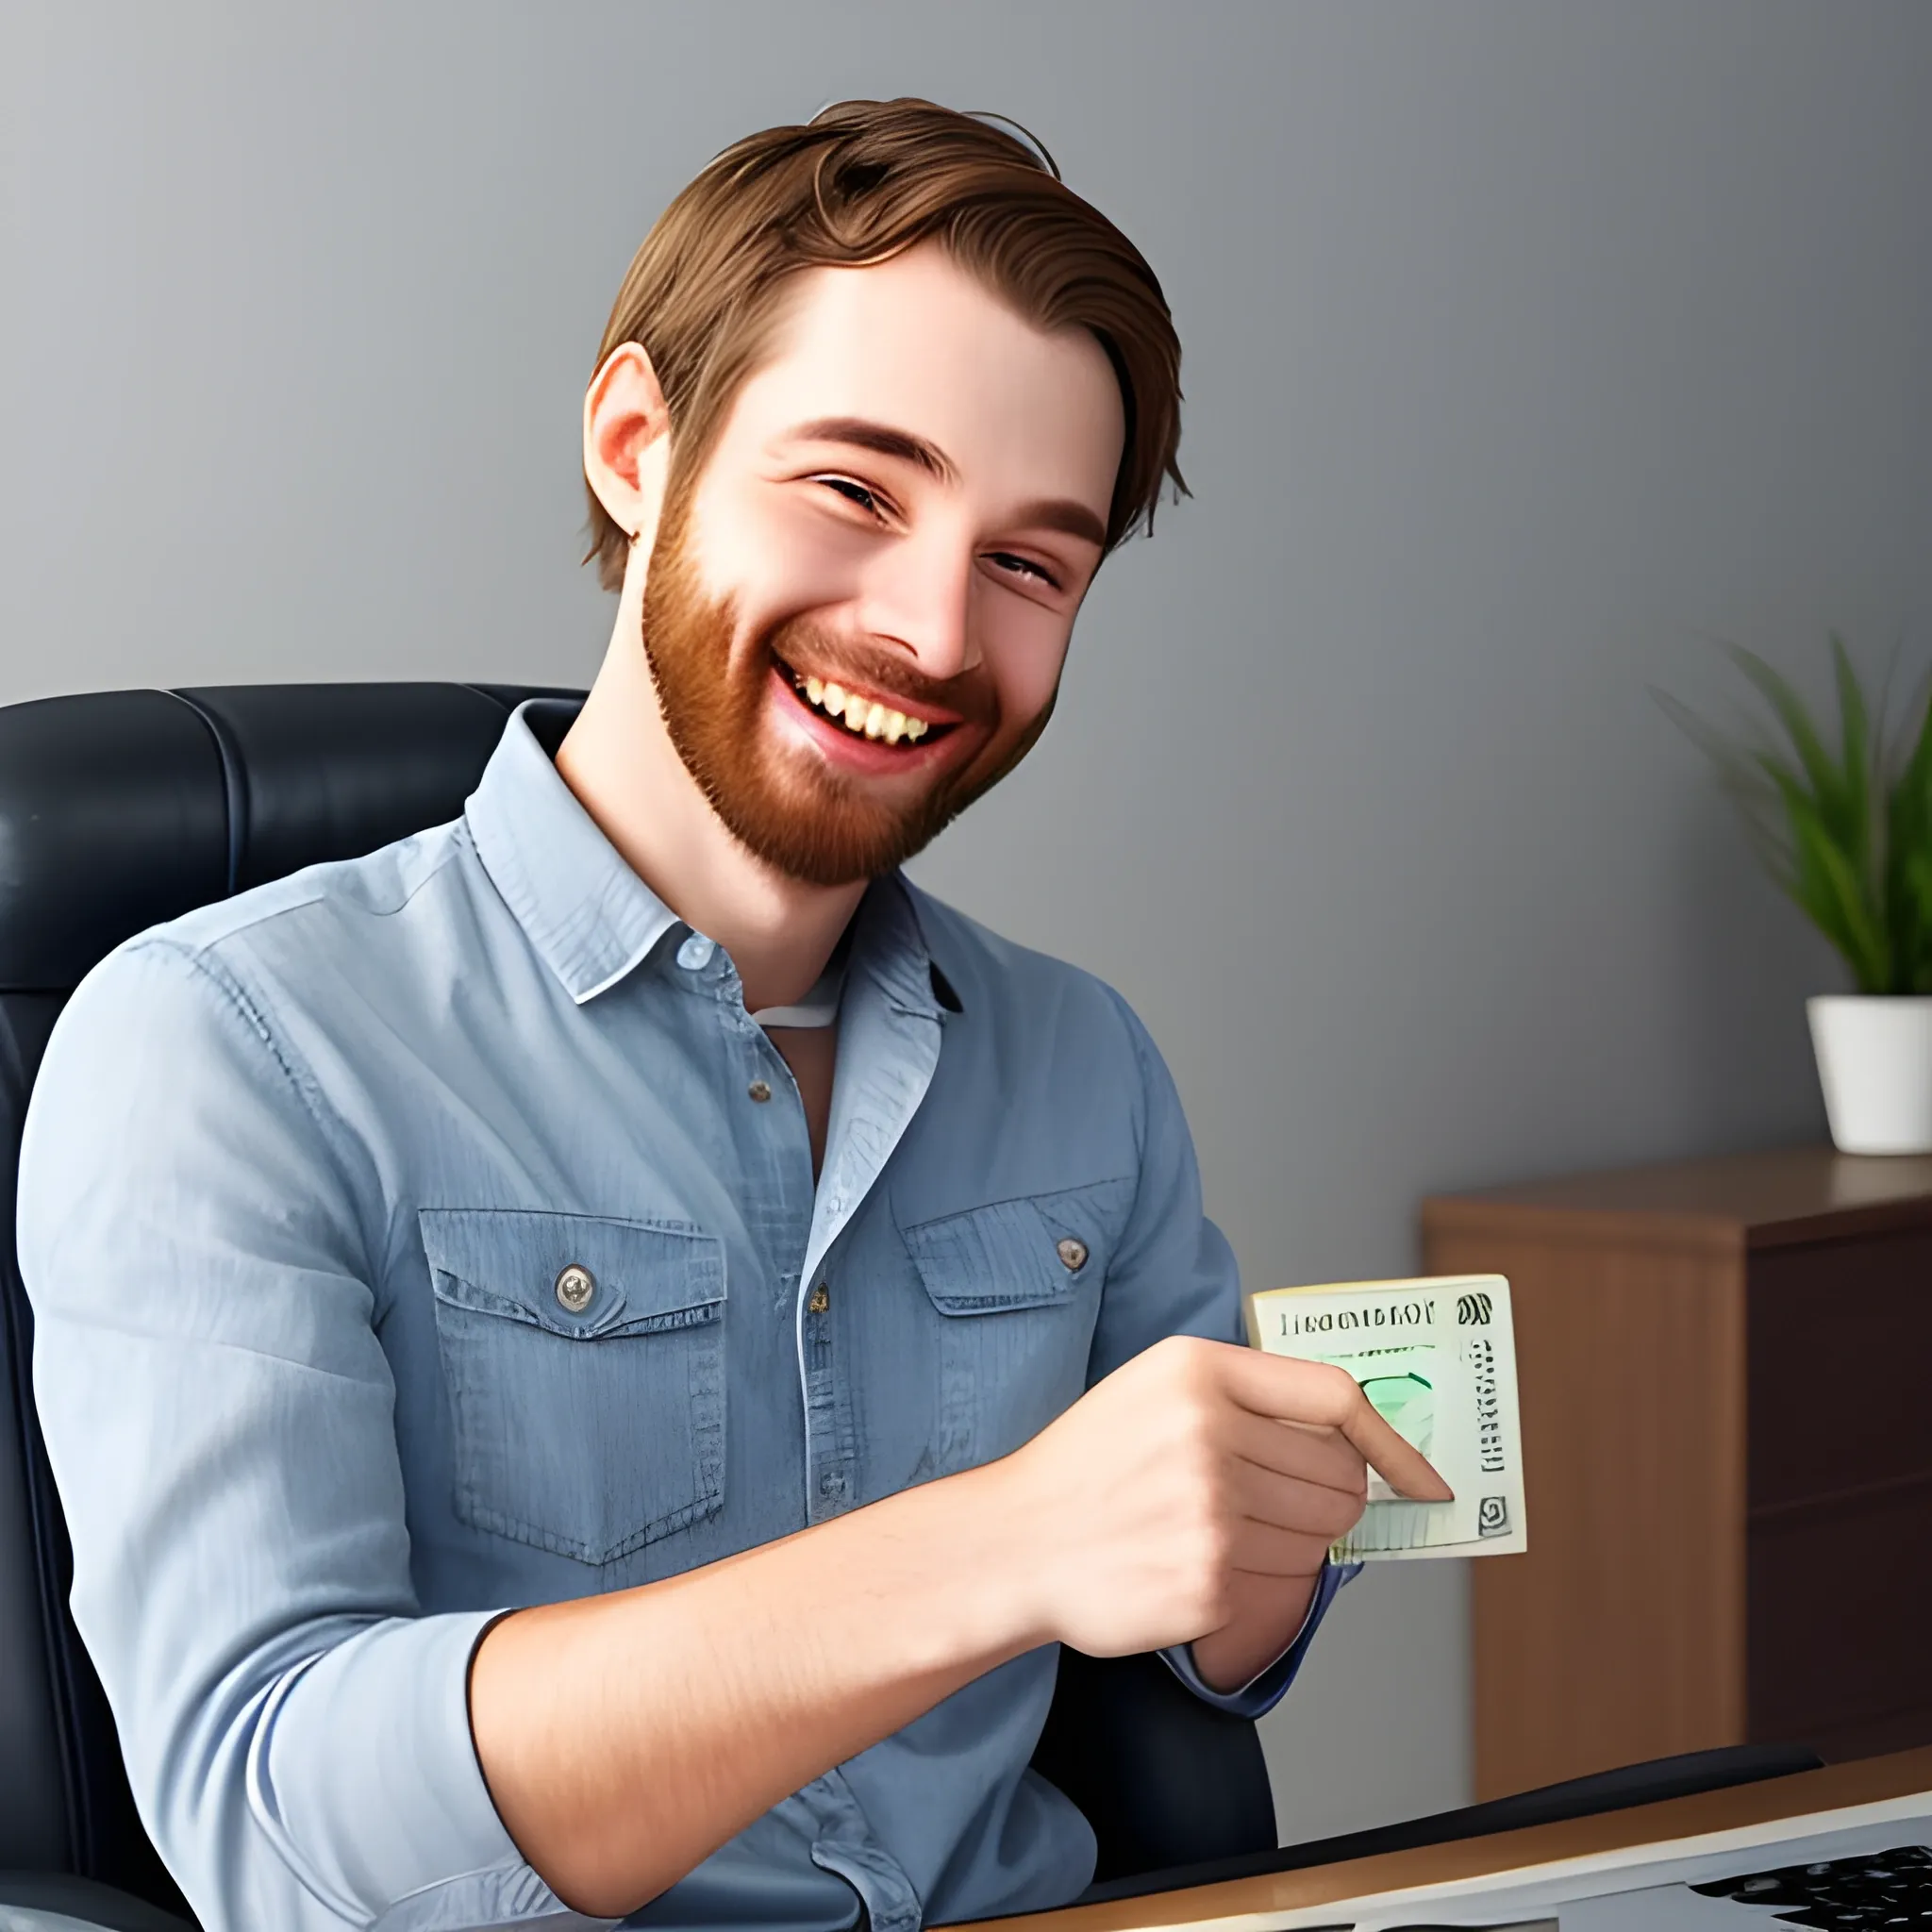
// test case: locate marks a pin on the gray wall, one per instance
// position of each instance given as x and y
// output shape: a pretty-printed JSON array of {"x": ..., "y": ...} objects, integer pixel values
[{"x": 1525, "y": 343}]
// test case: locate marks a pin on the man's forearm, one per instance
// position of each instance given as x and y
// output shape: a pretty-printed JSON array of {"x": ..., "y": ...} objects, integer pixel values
[{"x": 625, "y": 1737}]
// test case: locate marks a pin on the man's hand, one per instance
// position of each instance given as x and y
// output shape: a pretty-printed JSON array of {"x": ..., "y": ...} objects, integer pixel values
[
  {"x": 1195, "y": 1492},
  {"x": 625, "y": 1735}
]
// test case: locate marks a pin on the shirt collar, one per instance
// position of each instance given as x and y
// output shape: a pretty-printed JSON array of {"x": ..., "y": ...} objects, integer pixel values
[
  {"x": 593, "y": 921},
  {"x": 589, "y": 915}
]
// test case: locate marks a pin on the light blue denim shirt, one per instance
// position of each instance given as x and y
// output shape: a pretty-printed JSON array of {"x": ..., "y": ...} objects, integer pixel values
[{"x": 413, "y": 1239}]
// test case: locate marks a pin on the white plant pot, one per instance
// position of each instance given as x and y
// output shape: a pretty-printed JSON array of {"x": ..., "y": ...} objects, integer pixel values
[{"x": 1874, "y": 1062}]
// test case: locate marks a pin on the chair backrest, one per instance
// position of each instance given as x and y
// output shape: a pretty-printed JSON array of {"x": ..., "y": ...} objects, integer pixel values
[{"x": 119, "y": 809}]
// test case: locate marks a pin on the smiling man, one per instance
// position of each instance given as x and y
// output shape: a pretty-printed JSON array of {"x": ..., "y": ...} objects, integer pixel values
[{"x": 595, "y": 1355}]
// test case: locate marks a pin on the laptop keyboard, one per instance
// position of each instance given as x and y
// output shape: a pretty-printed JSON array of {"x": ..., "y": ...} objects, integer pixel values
[{"x": 1882, "y": 1888}]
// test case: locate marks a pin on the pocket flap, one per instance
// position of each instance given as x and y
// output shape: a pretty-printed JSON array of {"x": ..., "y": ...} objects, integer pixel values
[
  {"x": 645, "y": 1275},
  {"x": 1027, "y": 1253}
]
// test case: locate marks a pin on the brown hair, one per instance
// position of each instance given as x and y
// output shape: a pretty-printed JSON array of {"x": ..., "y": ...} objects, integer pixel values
[{"x": 858, "y": 183}]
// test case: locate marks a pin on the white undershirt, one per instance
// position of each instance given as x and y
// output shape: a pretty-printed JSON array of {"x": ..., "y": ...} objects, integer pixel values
[{"x": 820, "y": 1006}]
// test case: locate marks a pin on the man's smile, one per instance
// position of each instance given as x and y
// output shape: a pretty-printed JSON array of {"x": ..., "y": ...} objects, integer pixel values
[
  {"x": 869, "y": 717},
  {"x": 865, "y": 730}
]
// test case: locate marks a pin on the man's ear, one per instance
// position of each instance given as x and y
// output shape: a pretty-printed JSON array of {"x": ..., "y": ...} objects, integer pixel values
[{"x": 628, "y": 440}]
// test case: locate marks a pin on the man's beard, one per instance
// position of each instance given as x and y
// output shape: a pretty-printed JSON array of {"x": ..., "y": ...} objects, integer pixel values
[{"x": 794, "y": 812}]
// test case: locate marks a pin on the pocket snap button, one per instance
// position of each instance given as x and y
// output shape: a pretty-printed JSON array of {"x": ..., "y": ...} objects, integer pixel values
[
  {"x": 575, "y": 1287},
  {"x": 758, "y": 1090},
  {"x": 1072, "y": 1254}
]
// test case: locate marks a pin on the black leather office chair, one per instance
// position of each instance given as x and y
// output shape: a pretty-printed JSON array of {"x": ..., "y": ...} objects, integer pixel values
[{"x": 122, "y": 808}]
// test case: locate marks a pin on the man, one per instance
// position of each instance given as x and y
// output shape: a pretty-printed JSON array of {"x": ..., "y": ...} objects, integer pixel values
[{"x": 550, "y": 1428}]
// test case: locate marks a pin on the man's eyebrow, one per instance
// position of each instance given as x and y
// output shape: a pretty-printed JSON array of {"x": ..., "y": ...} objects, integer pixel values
[
  {"x": 882, "y": 439},
  {"x": 1063, "y": 514},
  {"x": 1053, "y": 513}
]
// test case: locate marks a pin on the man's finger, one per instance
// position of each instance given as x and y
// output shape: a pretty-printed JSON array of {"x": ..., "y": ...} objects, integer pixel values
[
  {"x": 1404, "y": 1468},
  {"x": 1310, "y": 1509},
  {"x": 1302, "y": 1450},
  {"x": 1265, "y": 1549},
  {"x": 1298, "y": 1392}
]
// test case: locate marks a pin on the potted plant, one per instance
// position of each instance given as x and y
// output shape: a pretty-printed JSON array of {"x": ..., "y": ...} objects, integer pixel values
[{"x": 1847, "y": 832}]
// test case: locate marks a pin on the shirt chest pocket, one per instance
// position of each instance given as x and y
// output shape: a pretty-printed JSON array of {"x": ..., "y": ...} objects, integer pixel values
[
  {"x": 1014, "y": 1289},
  {"x": 584, "y": 1359}
]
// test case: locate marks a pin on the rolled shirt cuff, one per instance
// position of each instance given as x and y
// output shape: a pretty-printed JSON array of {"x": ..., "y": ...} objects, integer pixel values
[
  {"x": 1269, "y": 1685},
  {"x": 398, "y": 1823}
]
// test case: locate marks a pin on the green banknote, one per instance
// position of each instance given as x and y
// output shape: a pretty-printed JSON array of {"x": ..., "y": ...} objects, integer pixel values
[{"x": 1436, "y": 1357}]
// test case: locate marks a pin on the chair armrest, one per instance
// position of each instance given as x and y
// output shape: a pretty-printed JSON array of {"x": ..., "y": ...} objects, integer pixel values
[
  {"x": 1163, "y": 1778},
  {"x": 58, "y": 1902}
]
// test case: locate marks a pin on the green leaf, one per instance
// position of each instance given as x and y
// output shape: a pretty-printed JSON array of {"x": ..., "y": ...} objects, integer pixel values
[
  {"x": 1826, "y": 782},
  {"x": 1908, "y": 860},
  {"x": 1855, "y": 730},
  {"x": 1748, "y": 787},
  {"x": 1915, "y": 768},
  {"x": 1855, "y": 723},
  {"x": 1844, "y": 829},
  {"x": 1826, "y": 886},
  {"x": 1913, "y": 925}
]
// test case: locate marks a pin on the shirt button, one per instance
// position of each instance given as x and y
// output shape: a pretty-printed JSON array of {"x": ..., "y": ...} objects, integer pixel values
[
  {"x": 575, "y": 1287},
  {"x": 1072, "y": 1254},
  {"x": 820, "y": 1300},
  {"x": 695, "y": 953},
  {"x": 759, "y": 1090}
]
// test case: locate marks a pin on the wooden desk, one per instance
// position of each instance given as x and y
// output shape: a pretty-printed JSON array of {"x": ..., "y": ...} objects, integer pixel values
[
  {"x": 1863, "y": 1783},
  {"x": 1725, "y": 1373}
]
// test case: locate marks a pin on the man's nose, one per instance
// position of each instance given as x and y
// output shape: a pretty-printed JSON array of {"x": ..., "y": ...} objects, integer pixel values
[{"x": 921, "y": 595}]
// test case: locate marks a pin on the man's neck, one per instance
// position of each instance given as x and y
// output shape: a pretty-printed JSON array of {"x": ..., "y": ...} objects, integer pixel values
[{"x": 619, "y": 761}]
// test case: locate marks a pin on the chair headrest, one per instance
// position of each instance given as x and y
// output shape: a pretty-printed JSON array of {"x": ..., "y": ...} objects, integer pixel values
[{"x": 119, "y": 809}]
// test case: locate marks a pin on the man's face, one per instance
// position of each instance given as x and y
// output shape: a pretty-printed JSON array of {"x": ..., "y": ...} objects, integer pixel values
[{"x": 857, "y": 613}]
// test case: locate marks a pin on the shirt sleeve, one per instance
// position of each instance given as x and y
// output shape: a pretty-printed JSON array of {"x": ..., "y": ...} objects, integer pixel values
[
  {"x": 195, "y": 1234},
  {"x": 1269, "y": 1685},
  {"x": 1174, "y": 1273}
]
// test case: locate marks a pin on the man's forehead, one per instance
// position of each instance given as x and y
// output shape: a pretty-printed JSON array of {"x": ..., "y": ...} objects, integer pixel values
[{"x": 919, "y": 344}]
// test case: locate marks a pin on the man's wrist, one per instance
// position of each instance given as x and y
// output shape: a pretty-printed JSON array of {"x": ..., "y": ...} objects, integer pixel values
[
  {"x": 1230, "y": 1658},
  {"x": 977, "y": 1525}
]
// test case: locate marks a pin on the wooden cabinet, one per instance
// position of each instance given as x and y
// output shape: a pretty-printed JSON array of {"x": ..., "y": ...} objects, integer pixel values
[{"x": 1725, "y": 1373}]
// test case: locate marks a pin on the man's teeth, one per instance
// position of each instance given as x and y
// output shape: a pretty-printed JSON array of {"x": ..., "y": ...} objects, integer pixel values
[{"x": 863, "y": 714}]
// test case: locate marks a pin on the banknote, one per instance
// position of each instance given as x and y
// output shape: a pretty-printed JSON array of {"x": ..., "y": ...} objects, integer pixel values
[{"x": 1436, "y": 1357}]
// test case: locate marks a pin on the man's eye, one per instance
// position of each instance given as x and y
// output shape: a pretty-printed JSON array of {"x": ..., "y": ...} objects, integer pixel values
[
  {"x": 1007, "y": 561},
  {"x": 852, "y": 493}
]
